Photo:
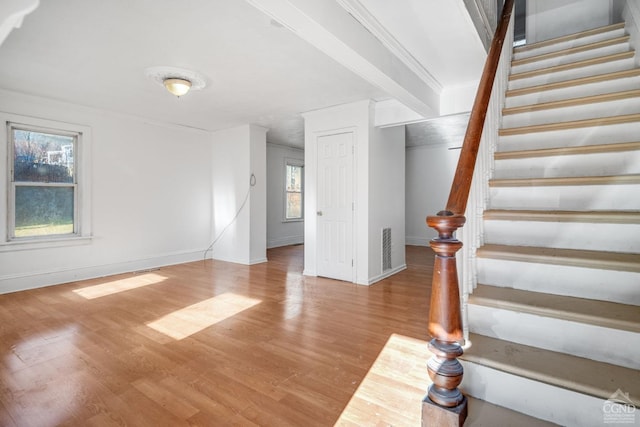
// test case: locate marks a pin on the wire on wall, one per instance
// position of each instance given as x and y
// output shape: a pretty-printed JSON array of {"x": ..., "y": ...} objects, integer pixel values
[{"x": 252, "y": 183}]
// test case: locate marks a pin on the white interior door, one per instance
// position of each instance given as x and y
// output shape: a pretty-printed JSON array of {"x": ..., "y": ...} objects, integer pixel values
[{"x": 335, "y": 206}]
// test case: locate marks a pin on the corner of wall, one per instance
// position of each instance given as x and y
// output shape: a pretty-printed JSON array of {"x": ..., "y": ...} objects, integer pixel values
[{"x": 631, "y": 16}]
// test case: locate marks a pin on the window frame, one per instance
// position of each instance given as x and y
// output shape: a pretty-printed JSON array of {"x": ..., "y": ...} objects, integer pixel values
[
  {"x": 296, "y": 163},
  {"x": 81, "y": 209}
]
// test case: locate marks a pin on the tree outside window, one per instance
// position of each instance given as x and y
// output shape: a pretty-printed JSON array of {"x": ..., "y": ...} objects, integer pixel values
[
  {"x": 43, "y": 192},
  {"x": 293, "y": 190}
]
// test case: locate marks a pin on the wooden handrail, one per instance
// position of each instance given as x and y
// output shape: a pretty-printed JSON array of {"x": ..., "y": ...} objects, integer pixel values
[
  {"x": 444, "y": 402},
  {"x": 461, "y": 185}
]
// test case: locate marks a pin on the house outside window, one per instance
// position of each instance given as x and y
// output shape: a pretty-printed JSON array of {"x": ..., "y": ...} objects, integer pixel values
[
  {"x": 43, "y": 191},
  {"x": 46, "y": 187},
  {"x": 293, "y": 190}
]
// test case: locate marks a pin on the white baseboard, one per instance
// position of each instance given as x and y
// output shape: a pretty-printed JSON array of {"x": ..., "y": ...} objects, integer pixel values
[
  {"x": 258, "y": 261},
  {"x": 417, "y": 241},
  {"x": 39, "y": 279},
  {"x": 285, "y": 241},
  {"x": 386, "y": 274}
]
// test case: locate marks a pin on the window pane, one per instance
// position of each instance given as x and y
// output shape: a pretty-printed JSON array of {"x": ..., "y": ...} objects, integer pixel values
[
  {"x": 294, "y": 178},
  {"x": 42, "y": 157},
  {"x": 294, "y": 205},
  {"x": 42, "y": 211}
]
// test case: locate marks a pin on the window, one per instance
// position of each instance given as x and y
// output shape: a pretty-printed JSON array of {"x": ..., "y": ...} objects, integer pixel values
[
  {"x": 45, "y": 197},
  {"x": 43, "y": 192},
  {"x": 293, "y": 188}
]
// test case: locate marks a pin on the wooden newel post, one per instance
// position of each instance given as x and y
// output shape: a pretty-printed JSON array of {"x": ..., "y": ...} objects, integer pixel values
[{"x": 444, "y": 404}]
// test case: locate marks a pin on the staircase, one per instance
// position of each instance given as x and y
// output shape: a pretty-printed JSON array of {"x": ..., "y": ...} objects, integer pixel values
[{"x": 555, "y": 319}]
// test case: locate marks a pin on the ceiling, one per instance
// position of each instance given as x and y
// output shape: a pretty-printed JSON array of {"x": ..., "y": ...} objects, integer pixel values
[
  {"x": 94, "y": 53},
  {"x": 438, "y": 34},
  {"x": 448, "y": 130}
]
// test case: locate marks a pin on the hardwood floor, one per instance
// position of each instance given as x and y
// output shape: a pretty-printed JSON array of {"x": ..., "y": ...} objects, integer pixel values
[{"x": 213, "y": 343}]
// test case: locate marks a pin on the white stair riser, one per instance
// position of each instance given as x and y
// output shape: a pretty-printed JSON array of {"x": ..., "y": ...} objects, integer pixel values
[
  {"x": 625, "y": 132},
  {"x": 506, "y": 322},
  {"x": 568, "y": 235},
  {"x": 579, "y": 339},
  {"x": 570, "y": 198},
  {"x": 541, "y": 400},
  {"x": 566, "y": 59},
  {"x": 578, "y": 91},
  {"x": 569, "y": 44},
  {"x": 589, "y": 283},
  {"x": 593, "y": 164},
  {"x": 575, "y": 112},
  {"x": 559, "y": 76}
]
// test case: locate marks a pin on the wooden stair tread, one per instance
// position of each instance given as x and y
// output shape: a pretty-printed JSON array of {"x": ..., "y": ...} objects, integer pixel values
[
  {"x": 566, "y": 181},
  {"x": 568, "y": 257},
  {"x": 563, "y": 151},
  {"x": 573, "y": 65},
  {"x": 604, "y": 217},
  {"x": 599, "y": 313},
  {"x": 569, "y": 37},
  {"x": 579, "y": 374},
  {"x": 634, "y": 72},
  {"x": 574, "y": 124},
  {"x": 598, "y": 379},
  {"x": 572, "y": 102},
  {"x": 571, "y": 50}
]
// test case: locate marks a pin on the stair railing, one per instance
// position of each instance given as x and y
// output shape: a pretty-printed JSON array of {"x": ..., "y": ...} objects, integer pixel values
[
  {"x": 469, "y": 193},
  {"x": 472, "y": 234}
]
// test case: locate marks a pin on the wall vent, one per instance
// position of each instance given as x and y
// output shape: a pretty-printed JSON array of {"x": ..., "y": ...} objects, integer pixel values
[{"x": 386, "y": 249}]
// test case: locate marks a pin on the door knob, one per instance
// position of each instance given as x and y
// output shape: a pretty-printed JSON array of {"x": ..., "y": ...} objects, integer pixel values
[{"x": 319, "y": 213}]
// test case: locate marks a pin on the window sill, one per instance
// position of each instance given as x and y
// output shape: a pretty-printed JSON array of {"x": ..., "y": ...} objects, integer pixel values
[{"x": 25, "y": 245}]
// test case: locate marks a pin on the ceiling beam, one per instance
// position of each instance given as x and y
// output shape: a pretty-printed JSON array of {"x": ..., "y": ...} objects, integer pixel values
[
  {"x": 331, "y": 29},
  {"x": 12, "y": 12}
]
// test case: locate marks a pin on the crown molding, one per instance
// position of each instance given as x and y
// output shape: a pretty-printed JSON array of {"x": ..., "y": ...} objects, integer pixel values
[
  {"x": 483, "y": 27},
  {"x": 283, "y": 146},
  {"x": 356, "y": 9}
]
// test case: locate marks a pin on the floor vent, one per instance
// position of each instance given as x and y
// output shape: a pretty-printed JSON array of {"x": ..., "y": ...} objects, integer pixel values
[{"x": 386, "y": 249}]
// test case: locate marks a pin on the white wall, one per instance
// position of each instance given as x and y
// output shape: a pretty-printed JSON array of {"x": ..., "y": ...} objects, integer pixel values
[
  {"x": 631, "y": 16},
  {"x": 549, "y": 18},
  {"x": 279, "y": 231},
  {"x": 239, "y": 209},
  {"x": 386, "y": 199},
  {"x": 617, "y": 10},
  {"x": 429, "y": 173},
  {"x": 151, "y": 198},
  {"x": 258, "y": 198}
]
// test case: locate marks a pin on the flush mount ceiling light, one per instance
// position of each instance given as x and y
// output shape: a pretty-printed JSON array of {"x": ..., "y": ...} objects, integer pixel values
[
  {"x": 177, "y": 81},
  {"x": 178, "y": 87}
]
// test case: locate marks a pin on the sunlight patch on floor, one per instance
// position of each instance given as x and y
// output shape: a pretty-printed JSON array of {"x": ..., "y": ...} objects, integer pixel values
[
  {"x": 116, "y": 286},
  {"x": 194, "y": 318},
  {"x": 391, "y": 393}
]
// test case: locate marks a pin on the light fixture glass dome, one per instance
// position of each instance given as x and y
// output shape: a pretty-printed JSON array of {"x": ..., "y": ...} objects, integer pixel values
[
  {"x": 178, "y": 81},
  {"x": 176, "y": 86}
]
